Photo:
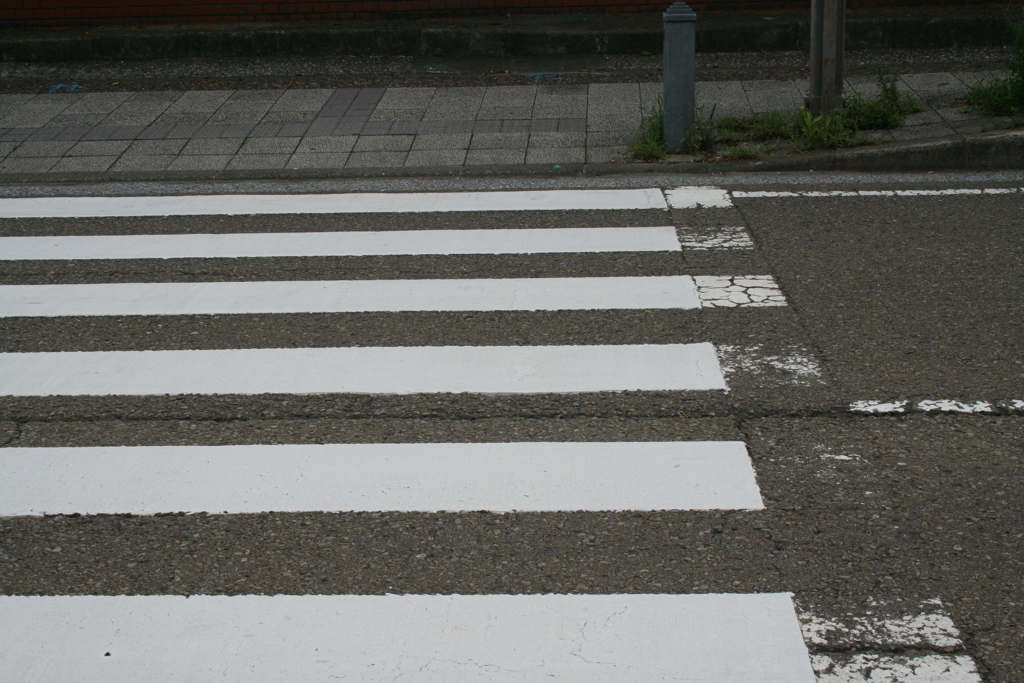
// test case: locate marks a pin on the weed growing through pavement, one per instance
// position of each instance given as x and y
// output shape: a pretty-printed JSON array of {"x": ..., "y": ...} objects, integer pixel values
[
  {"x": 841, "y": 128},
  {"x": 1004, "y": 95}
]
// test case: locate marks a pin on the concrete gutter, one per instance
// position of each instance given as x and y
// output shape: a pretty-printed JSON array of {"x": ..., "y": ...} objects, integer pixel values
[
  {"x": 1002, "y": 150},
  {"x": 506, "y": 36}
]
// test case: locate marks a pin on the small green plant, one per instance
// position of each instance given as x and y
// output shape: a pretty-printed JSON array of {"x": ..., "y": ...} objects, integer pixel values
[
  {"x": 648, "y": 141},
  {"x": 832, "y": 130},
  {"x": 887, "y": 110},
  {"x": 741, "y": 152},
  {"x": 701, "y": 138},
  {"x": 1004, "y": 95}
]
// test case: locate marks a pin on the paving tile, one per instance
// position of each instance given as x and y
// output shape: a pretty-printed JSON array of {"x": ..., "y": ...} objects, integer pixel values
[
  {"x": 302, "y": 100},
  {"x": 375, "y": 159},
  {"x": 450, "y": 142},
  {"x": 125, "y": 132},
  {"x": 10, "y": 102},
  {"x": 560, "y": 102},
  {"x": 155, "y": 132},
  {"x": 142, "y": 108},
  {"x": 265, "y": 130},
  {"x": 436, "y": 157},
  {"x": 971, "y": 79},
  {"x": 289, "y": 117},
  {"x": 406, "y": 98},
  {"x": 457, "y": 127},
  {"x": 351, "y": 126},
  {"x": 259, "y": 161},
  {"x": 321, "y": 145},
  {"x": 721, "y": 99},
  {"x": 44, "y": 134},
  {"x": 200, "y": 162},
  {"x": 396, "y": 114},
  {"x": 376, "y": 128},
  {"x": 562, "y": 155},
  {"x": 931, "y": 130},
  {"x": 487, "y": 126},
  {"x": 37, "y": 111},
  {"x": 782, "y": 96},
  {"x": 454, "y": 103},
  {"x": 921, "y": 118},
  {"x": 199, "y": 101},
  {"x": 957, "y": 114},
  {"x": 42, "y": 149},
  {"x": 432, "y": 127},
  {"x": 210, "y": 131},
  {"x": 269, "y": 146},
  {"x": 572, "y": 125},
  {"x": 98, "y": 148},
  {"x": 318, "y": 160},
  {"x": 212, "y": 146},
  {"x": 544, "y": 126},
  {"x": 382, "y": 143},
  {"x": 499, "y": 140},
  {"x": 154, "y": 147},
  {"x": 480, "y": 157},
  {"x": 237, "y": 131},
  {"x": 515, "y": 126},
  {"x": 292, "y": 130},
  {"x": 99, "y": 133},
  {"x": 143, "y": 162},
  {"x": 554, "y": 140},
  {"x": 512, "y": 97},
  {"x": 323, "y": 126},
  {"x": 404, "y": 127},
  {"x": 982, "y": 125},
  {"x": 6, "y": 148},
  {"x": 863, "y": 85},
  {"x": 182, "y": 131},
  {"x": 73, "y": 133},
  {"x": 76, "y": 120},
  {"x": 27, "y": 164},
  {"x": 505, "y": 112},
  {"x": 98, "y": 103},
  {"x": 613, "y": 106},
  {"x": 83, "y": 164},
  {"x": 604, "y": 155},
  {"x": 616, "y": 138},
  {"x": 935, "y": 89}
]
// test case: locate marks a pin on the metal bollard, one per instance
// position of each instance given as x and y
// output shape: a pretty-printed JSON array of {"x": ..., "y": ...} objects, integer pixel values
[
  {"x": 679, "y": 74},
  {"x": 828, "y": 35}
]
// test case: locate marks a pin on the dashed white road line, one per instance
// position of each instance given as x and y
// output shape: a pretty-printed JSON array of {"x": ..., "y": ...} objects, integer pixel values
[
  {"x": 372, "y": 370},
  {"x": 887, "y": 668},
  {"x": 698, "y": 197},
  {"x": 731, "y": 291},
  {"x": 498, "y": 477},
  {"x": 342, "y": 296},
  {"x": 936, "y": 405},
  {"x": 729, "y": 238},
  {"x": 376, "y": 243},
  {"x": 773, "y": 194},
  {"x": 360, "y": 202},
  {"x": 417, "y": 638}
]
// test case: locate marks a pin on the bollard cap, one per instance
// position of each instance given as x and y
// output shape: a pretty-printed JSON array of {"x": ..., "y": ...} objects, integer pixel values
[{"x": 679, "y": 11}]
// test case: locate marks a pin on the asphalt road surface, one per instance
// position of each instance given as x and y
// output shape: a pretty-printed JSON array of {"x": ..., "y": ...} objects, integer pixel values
[{"x": 813, "y": 389}]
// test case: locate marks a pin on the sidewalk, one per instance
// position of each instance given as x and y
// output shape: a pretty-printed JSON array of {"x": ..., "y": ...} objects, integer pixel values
[{"x": 521, "y": 128}]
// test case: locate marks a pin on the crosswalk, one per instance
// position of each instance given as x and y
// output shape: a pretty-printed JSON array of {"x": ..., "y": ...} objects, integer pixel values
[{"x": 724, "y": 637}]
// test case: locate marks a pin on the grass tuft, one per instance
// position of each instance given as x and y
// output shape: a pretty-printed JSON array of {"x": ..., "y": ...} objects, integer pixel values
[
  {"x": 648, "y": 141},
  {"x": 1004, "y": 95}
]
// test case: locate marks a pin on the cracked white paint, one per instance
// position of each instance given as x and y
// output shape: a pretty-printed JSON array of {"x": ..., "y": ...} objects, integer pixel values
[
  {"x": 731, "y": 291},
  {"x": 879, "y": 406},
  {"x": 1014, "y": 404},
  {"x": 842, "y": 457},
  {"x": 790, "y": 365},
  {"x": 698, "y": 197},
  {"x": 877, "y": 193},
  {"x": 874, "y": 668},
  {"x": 947, "y": 406},
  {"x": 719, "y": 238},
  {"x": 732, "y": 638},
  {"x": 929, "y": 627}
]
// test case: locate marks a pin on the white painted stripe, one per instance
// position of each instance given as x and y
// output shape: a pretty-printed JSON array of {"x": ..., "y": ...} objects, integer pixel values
[
  {"x": 414, "y": 638},
  {"x": 374, "y": 370},
  {"x": 174, "y": 298},
  {"x": 943, "y": 405},
  {"x": 878, "y": 406},
  {"x": 361, "y": 202},
  {"x": 499, "y": 477},
  {"x": 380, "y": 243},
  {"x": 889, "y": 668},
  {"x": 762, "y": 194},
  {"x": 698, "y": 197}
]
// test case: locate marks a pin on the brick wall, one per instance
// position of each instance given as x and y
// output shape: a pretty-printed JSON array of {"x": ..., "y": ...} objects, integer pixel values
[{"x": 15, "y": 13}]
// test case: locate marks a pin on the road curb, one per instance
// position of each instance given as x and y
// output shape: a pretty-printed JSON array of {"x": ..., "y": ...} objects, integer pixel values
[{"x": 505, "y": 36}]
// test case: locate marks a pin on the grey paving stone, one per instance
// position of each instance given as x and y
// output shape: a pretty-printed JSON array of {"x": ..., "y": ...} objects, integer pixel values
[
  {"x": 98, "y": 148},
  {"x": 150, "y": 97},
  {"x": 301, "y": 100},
  {"x": 10, "y": 102},
  {"x": 212, "y": 146},
  {"x": 650, "y": 95},
  {"x": 436, "y": 157},
  {"x": 985, "y": 124},
  {"x": 351, "y": 126},
  {"x": 562, "y": 155},
  {"x": 44, "y": 134},
  {"x": 207, "y": 131},
  {"x": 36, "y": 113},
  {"x": 487, "y": 126},
  {"x": 6, "y": 148},
  {"x": 155, "y": 132},
  {"x": 200, "y": 162},
  {"x": 318, "y": 160},
  {"x": 154, "y": 147},
  {"x": 73, "y": 133},
  {"x": 404, "y": 128},
  {"x": 617, "y": 138},
  {"x": 76, "y": 120},
  {"x": 957, "y": 114},
  {"x": 931, "y": 130},
  {"x": 499, "y": 140},
  {"x": 481, "y": 157},
  {"x": 253, "y": 96},
  {"x": 265, "y": 130},
  {"x": 436, "y": 142},
  {"x": 572, "y": 125},
  {"x": 42, "y": 149},
  {"x": 560, "y": 102},
  {"x": 182, "y": 131},
  {"x": 406, "y": 98},
  {"x": 432, "y": 127},
  {"x": 721, "y": 99},
  {"x": 269, "y": 146},
  {"x": 613, "y": 106},
  {"x": 375, "y": 159},
  {"x": 454, "y": 103},
  {"x": 603, "y": 155},
  {"x": 323, "y": 126},
  {"x": 199, "y": 101},
  {"x": 183, "y": 118},
  {"x": 935, "y": 89},
  {"x": 552, "y": 140},
  {"x": 458, "y": 127},
  {"x": 515, "y": 95},
  {"x": 259, "y": 161},
  {"x": 27, "y": 164},
  {"x": 131, "y": 115},
  {"x": 241, "y": 130},
  {"x": 544, "y": 126},
  {"x": 234, "y": 112},
  {"x": 383, "y": 143},
  {"x": 99, "y": 133},
  {"x": 125, "y": 132},
  {"x": 376, "y": 128},
  {"x": 322, "y": 145},
  {"x": 863, "y": 85},
  {"x": 921, "y": 118},
  {"x": 396, "y": 115},
  {"x": 505, "y": 112},
  {"x": 82, "y": 164},
  {"x": 292, "y": 130},
  {"x": 289, "y": 117},
  {"x": 143, "y": 162},
  {"x": 98, "y": 103},
  {"x": 971, "y": 79},
  {"x": 781, "y": 96}
]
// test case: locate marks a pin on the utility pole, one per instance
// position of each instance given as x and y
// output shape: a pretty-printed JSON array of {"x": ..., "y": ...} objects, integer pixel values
[
  {"x": 679, "y": 73},
  {"x": 828, "y": 35}
]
